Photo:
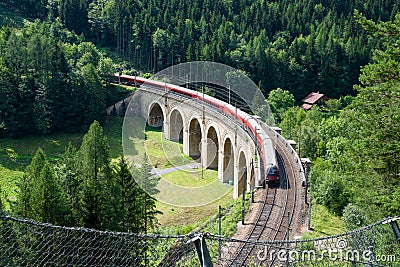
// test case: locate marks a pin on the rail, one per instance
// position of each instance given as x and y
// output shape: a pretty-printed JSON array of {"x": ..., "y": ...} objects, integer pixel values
[{"x": 210, "y": 110}]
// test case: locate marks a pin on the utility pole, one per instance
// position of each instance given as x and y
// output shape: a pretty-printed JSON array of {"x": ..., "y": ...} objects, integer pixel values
[
  {"x": 310, "y": 208},
  {"x": 219, "y": 232},
  {"x": 204, "y": 124},
  {"x": 252, "y": 181},
  {"x": 298, "y": 138},
  {"x": 243, "y": 192}
]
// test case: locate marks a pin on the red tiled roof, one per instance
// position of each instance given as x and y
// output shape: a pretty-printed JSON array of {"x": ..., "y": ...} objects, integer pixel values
[
  {"x": 306, "y": 106},
  {"x": 313, "y": 98}
]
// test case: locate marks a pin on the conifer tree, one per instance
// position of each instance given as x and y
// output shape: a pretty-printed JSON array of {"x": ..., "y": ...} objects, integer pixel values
[
  {"x": 149, "y": 185},
  {"x": 40, "y": 196},
  {"x": 66, "y": 172},
  {"x": 47, "y": 200},
  {"x": 129, "y": 195},
  {"x": 97, "y": 203},
  {"x": 23, "y": 205}
]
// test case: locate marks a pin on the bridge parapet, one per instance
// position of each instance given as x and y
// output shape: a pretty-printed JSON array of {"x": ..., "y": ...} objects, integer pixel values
[
  {"x": 217, "y": 140},
  {"x": 225, "y": 143}
]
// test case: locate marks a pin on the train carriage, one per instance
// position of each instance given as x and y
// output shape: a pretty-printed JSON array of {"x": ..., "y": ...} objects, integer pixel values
[{"x": 271, "y": 170}]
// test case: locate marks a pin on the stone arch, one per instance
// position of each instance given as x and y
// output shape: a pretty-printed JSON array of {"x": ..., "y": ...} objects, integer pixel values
[
  {"x": 242, "y": 165},
  {"x": 156, "y": 116},
  {"x": 195, "y": 137},
  {"x": 228, "y": 161},
  {"x": 212, "y": 148},
  {"x": 176, "y": 126}
]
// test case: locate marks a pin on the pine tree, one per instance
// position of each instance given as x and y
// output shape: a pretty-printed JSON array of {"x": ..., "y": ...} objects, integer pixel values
[
  {"x": 97, "y": 206},
  {"x": 66, "y": 172},
  {"x": 48, "y": 201},
  {"x": 23, "y": 205},
  {"x": 129, "y": 196},
  {"x": 40, "y": 195},
  {"x": 374, "y": 114},
  {"x": 149, "y": 185}
]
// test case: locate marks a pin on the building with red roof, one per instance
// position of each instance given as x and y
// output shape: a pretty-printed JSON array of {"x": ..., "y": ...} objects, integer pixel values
[{"x": 313, "y": 99}]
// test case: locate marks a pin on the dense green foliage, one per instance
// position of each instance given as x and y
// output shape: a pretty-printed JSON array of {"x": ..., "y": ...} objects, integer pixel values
[
  {"x": 40, "y": 195},
  {"x": 49, "y": 80},
  {"x": 303, "y": 46},
  {"x": 354, "y": 142},
  {"x": 279, "y": 100},
  {"x": 85, "y": 189},
  {"x": 52, "y": 77}
]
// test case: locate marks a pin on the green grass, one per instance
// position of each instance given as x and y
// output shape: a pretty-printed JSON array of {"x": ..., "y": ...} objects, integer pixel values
[
  {"x": 162, "y": 152},
  {"x": 8, "y": 183},
  {"x": 191, "y": 196},
  {"x": 189, "y": 178},
  {"x": 16, "y": 154},
  {"x": 157, "y": 146},
  {"x": 113, "y": 130},
  {"x": 324, "y": 223},
  {"x": 173, "y": 216}
]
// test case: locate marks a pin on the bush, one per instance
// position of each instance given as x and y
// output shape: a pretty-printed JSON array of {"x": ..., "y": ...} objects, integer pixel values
[
  {"x": 353, "y": 216},
  {"x": 331, "y": 192}
]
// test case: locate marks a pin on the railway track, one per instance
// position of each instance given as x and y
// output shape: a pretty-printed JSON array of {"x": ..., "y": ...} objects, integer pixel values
[
  {"x": 247, "y": 249},
  {"x": 275, "y": 217},
  {"x": 279, "y": 204},
  {"x": 291, "y": 186}
]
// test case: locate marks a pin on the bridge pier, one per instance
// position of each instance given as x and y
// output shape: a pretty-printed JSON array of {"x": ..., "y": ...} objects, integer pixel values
[
  {"x": 206, "y": 137},
  {"x": 186, "y": 141},
  {"x": 228, "y": 161},
  {"x": 166, "y": 130}
]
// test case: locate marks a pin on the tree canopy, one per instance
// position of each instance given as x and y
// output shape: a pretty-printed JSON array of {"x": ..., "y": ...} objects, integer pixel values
[{"x": 302, "y": 46}]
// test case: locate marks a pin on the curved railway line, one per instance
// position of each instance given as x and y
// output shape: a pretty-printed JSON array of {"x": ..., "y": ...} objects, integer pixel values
[
  {"x": 276, "y": 214},
  {"x": 278, "y": 210}
]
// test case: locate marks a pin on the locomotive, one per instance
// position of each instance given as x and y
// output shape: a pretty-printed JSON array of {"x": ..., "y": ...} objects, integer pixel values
[{"x": 249, "y": 123}]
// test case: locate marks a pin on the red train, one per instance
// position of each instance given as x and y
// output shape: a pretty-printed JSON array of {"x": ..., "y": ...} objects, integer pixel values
[{"x": 269, "y": 163}]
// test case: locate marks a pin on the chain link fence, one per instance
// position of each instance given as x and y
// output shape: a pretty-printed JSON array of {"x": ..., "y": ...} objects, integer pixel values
[{"x": 27, "y": 243}]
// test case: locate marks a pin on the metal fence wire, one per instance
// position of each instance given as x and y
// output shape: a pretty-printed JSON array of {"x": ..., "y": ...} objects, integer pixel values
[{"x": 27, "y": 243}]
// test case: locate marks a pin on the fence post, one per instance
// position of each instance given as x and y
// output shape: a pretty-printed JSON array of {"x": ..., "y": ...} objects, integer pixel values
[
  {"x": 202, "y": 250},
  {"x": 395, "y": 227}
]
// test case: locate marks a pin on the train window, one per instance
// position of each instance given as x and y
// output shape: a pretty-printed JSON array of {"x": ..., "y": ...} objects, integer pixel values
[{"x": 272, "y": 171}]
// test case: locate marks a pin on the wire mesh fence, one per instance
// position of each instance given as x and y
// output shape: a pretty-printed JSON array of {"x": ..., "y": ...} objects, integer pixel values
[
  {"x": 27, "y": 243},
  {"x": 373, "y": 245}
]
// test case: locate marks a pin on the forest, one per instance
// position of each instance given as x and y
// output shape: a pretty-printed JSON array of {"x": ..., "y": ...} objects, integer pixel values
[
  {"x": 300, "y": 46},
  {"x": 55, "y": 77},
  {"x": 85, "y": 189}
]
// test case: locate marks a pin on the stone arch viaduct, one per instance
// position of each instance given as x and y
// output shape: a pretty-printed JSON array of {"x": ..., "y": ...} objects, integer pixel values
[{"x": 215, "y": 140}]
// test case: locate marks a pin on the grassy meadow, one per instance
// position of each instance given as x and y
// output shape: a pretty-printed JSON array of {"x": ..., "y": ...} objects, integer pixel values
[{"x": 17, "y": 153}]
